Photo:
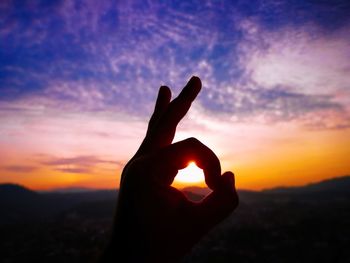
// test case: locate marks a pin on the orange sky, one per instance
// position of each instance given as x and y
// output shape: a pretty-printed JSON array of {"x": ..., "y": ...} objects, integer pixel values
[{"x": 46, "y": 150}]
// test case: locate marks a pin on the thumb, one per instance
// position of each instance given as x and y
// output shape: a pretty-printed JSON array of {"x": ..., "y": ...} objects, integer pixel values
[{"x": 219, "y": 204}]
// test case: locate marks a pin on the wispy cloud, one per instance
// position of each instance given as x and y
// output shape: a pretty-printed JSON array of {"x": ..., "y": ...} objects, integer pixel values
[
  {"x": 79, "y": 160},
  {"x": 298, "y": 71},
  {"x": 19, "y": 168},
  {"x": 307, "y": 59},
  {"x": 76, "y": 170},
  {"x": 114, "y": 56},
  {"x": 77, "y": 164}
]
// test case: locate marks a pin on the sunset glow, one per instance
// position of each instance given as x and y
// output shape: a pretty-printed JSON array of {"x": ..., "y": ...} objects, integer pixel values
[
  {"x": 78, "y": 82},
  {"x": 190, "y": 175}
]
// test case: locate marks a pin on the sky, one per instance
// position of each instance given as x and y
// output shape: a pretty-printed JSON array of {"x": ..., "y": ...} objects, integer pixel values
[{"x": 78, "y": 81}]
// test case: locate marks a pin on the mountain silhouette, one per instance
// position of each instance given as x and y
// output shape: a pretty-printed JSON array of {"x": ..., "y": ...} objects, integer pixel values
[
  {"x": 337, "y": 184},
  {"x": 18, "y": 203},
  {"x": 13, "y": 193}
]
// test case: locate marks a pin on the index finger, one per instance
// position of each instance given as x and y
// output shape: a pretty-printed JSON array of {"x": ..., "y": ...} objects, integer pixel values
[{"x": 164, "y": 130}]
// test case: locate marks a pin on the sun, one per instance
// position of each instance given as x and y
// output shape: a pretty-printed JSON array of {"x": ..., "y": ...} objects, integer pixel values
[{"x": 190, "y": 174}]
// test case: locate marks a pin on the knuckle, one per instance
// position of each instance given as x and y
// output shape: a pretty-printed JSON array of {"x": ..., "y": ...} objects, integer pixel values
[{"x": 193, "y": 140}]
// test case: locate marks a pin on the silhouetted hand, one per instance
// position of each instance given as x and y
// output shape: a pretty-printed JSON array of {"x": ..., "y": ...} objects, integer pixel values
[{"x": 155, "y": 222}]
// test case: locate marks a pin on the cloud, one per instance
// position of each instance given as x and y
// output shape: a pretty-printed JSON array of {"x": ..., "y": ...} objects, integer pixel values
[
  {"x": 78, "y": 164},
  {"x": 307, "y": 60},
  {"x": 293, "y": 73},
  {"x": 79, "y": 170},
  {"x": 113, "y": 57},
  {"x": 20, "y": 168},
  {"x": 78, "y": 160}
]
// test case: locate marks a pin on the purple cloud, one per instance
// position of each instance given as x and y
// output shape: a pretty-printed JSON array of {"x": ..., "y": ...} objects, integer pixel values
[
  {"x": 87, "y": 160},
  {"x": 79, "y": 164},
  {"x": 20, "y": 168},
  {"x": 78, "y": 170}
]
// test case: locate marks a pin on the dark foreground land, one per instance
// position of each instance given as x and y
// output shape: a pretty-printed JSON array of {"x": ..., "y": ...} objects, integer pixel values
[{"x": 306, "y": 224}]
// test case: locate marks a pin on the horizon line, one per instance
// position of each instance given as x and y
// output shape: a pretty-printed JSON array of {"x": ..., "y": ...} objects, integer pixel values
[{"x": 72, "y": 189}]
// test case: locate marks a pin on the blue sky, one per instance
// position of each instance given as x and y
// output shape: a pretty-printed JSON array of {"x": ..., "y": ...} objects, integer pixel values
[{"x": 119, "y": 52}]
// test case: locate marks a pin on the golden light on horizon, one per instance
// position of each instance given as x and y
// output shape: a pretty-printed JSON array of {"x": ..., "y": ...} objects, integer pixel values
[
  {"x": 192, "y": 174},
  {"x": 276, "y": 155}
]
